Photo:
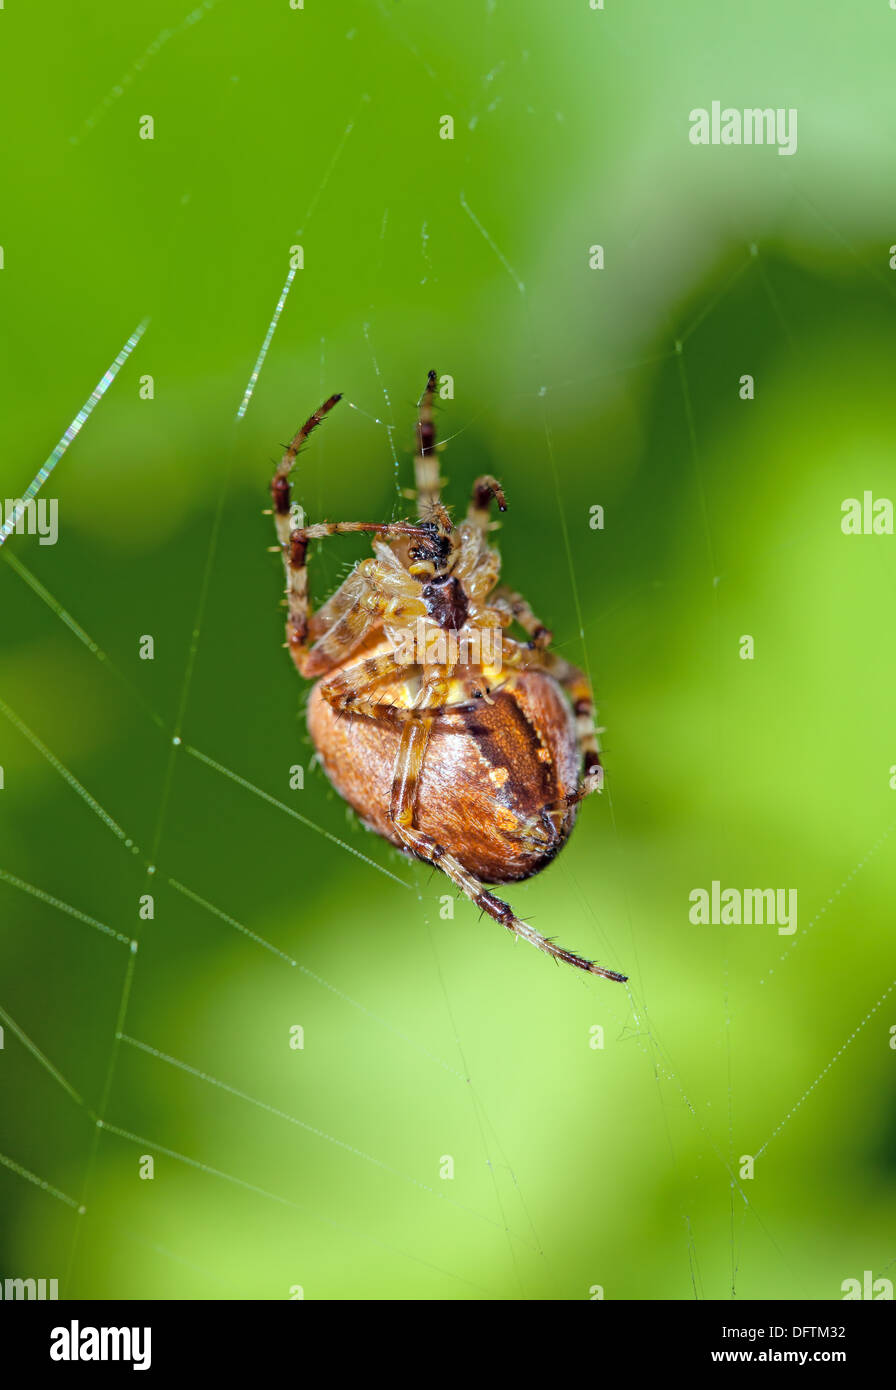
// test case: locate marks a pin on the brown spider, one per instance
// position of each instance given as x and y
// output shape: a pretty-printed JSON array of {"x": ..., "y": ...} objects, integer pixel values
[{"x": 447, "y": 737}]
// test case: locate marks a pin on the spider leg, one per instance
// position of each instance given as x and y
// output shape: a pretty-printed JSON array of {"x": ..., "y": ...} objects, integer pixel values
[
  {"x": 426, "y": 463},
  {"x": 484, "y": 490},
  {"x": 350, "y": 691},
  {"x": 390, "y": 575},
  {"x": 476, "y": 563},
  {"x": 356, "y": 604},
  {"x": 408, "y": 764},
  {"x": 578, "y": 688},
  {"x": 281, "y": 490},
  {"x": 513, "y": 603},
  {"x": 372, "y": 594},
  {"x": 364, "y": 598}
]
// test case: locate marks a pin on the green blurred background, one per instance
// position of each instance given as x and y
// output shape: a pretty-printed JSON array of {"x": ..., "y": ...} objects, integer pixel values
[{"x": 424, "y": 1038}]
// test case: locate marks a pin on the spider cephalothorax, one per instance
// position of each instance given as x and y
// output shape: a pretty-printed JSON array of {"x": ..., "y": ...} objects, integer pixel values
[{"x": 460, "y": 744}]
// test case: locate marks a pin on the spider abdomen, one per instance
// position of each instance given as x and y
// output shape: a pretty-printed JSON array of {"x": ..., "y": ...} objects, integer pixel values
[{"x": 493, "y": 771}]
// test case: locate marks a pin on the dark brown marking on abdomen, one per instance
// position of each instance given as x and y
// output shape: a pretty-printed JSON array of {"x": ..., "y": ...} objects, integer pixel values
[{"x": 506, "y": 738}]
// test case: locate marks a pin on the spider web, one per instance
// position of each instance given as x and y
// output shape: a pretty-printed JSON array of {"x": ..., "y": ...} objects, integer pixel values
[{"x": 502, "y": 1223}]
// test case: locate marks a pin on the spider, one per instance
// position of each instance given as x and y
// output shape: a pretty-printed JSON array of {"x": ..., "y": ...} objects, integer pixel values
[{"x": 454, "y": 741}]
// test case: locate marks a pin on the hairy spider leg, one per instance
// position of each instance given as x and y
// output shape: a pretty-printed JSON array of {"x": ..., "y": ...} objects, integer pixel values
[
  {"x": 426, "y": 461},
  {"x": 365, "y": 602},
  {"x": 577, "y": 686},
  {"x": 478, "y": 565},
  {"x": 351, "y": 690},
  {"x": 509, "y": 601},
  {"x": 485, "y": 489},
  {"x": 407, "y": 600},
  {"x": 408, "y": 764},
  {"x": 366, "y": 597}
]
